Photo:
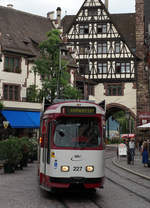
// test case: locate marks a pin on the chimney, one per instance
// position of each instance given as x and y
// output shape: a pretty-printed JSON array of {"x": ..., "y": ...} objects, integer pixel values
[
  {"x": 50, "y": 15},
  {"x": 106, "y": 4},
  {"x": 58, "y": 16},
  {"x": 10, "y": 5}
]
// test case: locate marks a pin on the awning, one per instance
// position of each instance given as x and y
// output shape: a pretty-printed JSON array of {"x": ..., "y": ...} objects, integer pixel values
[
  {"x": 22, "y": 119},
  {"x": 147, "y": 125}
]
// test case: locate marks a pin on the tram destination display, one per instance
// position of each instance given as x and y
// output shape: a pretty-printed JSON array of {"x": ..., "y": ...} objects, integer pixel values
[{"x": 79, "y": 110}]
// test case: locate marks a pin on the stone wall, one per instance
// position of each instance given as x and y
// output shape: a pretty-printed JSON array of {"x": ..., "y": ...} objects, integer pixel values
[{"x": 143, "y": 98}]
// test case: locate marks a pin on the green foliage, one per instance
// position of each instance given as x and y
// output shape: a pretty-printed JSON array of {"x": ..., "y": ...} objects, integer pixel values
[
  {"x": 1, "y": 106},
  {"x": 120, "y": 117},
  {"x": 14, "y": 151},
  {"x": 33, "y": 94},
  {"x": 10, "y": 151},
  {"x": 53, "y": 77}
]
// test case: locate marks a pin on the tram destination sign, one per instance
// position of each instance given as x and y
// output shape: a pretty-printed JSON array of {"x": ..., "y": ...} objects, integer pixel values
[{"x": 78, "y": 110}]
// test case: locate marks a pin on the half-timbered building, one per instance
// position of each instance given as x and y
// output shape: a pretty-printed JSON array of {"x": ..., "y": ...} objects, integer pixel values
[{"x": 104, "y": 46}]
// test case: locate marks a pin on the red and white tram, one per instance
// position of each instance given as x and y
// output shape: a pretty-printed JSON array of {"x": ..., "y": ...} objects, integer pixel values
[{"x": 71, "y": 145}]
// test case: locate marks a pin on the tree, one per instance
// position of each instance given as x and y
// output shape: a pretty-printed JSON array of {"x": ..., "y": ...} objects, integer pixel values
[
  {"x": 54, "y": 78},
  {"x": 120, "y": 117},
  {"x": 1, "y": 106}
]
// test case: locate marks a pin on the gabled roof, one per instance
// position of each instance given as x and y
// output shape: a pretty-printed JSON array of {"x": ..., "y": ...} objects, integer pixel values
[
  {"x": 21, "y": 31},
  {"x": 125, "y": 23}
]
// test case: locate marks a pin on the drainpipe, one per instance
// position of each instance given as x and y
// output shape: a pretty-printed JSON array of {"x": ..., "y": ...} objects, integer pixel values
[{"x": 106, "y": 4}]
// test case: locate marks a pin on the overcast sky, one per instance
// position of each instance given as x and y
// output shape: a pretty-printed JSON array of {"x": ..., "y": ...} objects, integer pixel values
[{"x": 70, "y": 7}]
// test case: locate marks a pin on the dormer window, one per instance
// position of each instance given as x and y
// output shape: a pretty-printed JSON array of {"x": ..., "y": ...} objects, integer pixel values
[
  {"x": 12, "y": 64},
  {"x": 83, "y": 29}
]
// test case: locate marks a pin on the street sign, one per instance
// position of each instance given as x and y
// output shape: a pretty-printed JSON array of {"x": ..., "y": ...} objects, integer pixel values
[{"x": 122, "y": 149}]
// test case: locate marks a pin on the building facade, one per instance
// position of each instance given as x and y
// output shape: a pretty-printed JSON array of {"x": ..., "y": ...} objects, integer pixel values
[
  {"x": 104, "y": 46},
  {"x": 20, "y": 35}
]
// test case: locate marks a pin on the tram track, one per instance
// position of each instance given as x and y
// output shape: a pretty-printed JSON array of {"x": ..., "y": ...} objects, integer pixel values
[
  {"x": 127, "y": 183},
  {"x": 129, "y": 190},
  {"x": 80, "y": 203}
]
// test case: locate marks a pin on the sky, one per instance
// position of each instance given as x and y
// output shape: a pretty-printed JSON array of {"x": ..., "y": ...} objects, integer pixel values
[{"x": 69, "y": 7}]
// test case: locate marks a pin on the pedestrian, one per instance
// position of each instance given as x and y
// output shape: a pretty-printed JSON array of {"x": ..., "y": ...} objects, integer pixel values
[
  {"x": 132, "y": 150},
  {"x": 128, "y": 152},
  {"x": 145, "y": 153},
  {"x": 140, "y": 144}
]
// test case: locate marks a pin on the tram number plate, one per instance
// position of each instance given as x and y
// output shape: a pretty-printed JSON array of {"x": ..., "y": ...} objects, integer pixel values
[{"x": 77, "y": 168}]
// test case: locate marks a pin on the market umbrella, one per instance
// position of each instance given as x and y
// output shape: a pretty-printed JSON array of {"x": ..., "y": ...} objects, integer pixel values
[{"x": 147, "y": 125}]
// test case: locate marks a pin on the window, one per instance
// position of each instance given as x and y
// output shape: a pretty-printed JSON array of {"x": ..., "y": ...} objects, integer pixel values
[
  {"x": 123, "y": 67},
  {"x": 91, "y": 90},
  {"x": 83, "y": 68},
  {"x": 11, "y": 92},
  {"x": 117, "y": 47},
  {"x": 76, "y": 132},
  {"x": 83, "y": 29},
  {"x": 114, "y": 90},
  {"x": 102, "y": 28},
  {"x": 102, "y": 48},
  {"x": 102, "y": 68},
  {"x": 12, "y": 64},
  {"x": 92, "y": 12},
  {"x": 84, "y": 49}
]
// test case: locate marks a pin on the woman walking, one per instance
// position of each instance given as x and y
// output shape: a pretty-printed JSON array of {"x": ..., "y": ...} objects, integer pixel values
[{"x": 145, "y": 153}]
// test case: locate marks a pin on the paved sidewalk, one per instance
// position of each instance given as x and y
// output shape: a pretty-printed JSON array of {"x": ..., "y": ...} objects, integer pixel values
[{"x": 138, "y": 167}]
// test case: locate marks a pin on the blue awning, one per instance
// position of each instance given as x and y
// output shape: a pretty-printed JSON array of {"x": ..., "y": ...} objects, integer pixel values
[{"x": 22, "y": 119}]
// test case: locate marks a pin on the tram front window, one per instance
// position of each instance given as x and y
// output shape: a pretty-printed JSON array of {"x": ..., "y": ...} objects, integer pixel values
[{"x": 77, "y": 133}]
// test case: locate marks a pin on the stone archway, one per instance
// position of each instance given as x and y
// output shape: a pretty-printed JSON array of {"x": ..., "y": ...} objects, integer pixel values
[{"x": 113, "y": 108}]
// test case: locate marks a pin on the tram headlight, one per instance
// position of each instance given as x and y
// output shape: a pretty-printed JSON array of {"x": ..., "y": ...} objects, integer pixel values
[
  {"x": 89, "y": 168},
  {"x": 65, "y": 168}
]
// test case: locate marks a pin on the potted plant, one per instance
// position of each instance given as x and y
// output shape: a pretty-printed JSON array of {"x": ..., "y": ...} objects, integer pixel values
[
  {"x": 11, "y": 154},
  {"x": 32, "y": 149},
  {"x": 24, "y": 142}
]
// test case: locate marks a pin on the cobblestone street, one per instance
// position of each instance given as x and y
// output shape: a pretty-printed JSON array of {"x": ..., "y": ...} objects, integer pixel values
[{"x": 21, "y": 190}]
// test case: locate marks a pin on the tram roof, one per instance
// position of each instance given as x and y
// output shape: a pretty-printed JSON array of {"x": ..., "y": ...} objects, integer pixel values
[{"x": 56, "y": 108}]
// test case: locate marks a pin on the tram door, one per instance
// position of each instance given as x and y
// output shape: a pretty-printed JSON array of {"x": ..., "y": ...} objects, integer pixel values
[
  {"x": 46, "y": 148},
  {"x": 44, "y": 153}
]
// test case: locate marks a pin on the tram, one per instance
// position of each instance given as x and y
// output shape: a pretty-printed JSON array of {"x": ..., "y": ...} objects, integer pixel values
[{"x": 71, "y": 146}]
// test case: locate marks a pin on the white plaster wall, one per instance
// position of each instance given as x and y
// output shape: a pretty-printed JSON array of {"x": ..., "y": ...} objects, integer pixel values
[
  {"x": 128, "y": 100},
  {"x": 32, "y": 78},
  {"x": 13, "y": 78},
  {"x": 25, "y": 77}
]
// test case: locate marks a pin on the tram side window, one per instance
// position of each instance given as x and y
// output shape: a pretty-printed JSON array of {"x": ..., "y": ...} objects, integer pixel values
[{"x": 49, "y": 141}]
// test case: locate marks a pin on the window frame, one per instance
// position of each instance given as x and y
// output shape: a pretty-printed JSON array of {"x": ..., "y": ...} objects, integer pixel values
[
  {"x": 84, "y": 29},
  {"x": 102, "y": 48},
  {"x": 114, "y": 89},
  {"x": 92, "y": 12},
  {"x": 122, "y": 67},
  {"x": 102, "y": 28},
  {"x": 8, "y": 96},
  {"x": 12, "y": 63},
  {"x": 102, "y": 68}
]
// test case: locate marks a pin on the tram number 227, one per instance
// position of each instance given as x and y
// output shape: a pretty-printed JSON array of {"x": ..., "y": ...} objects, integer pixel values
[{"x": 77, "y": 168}]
